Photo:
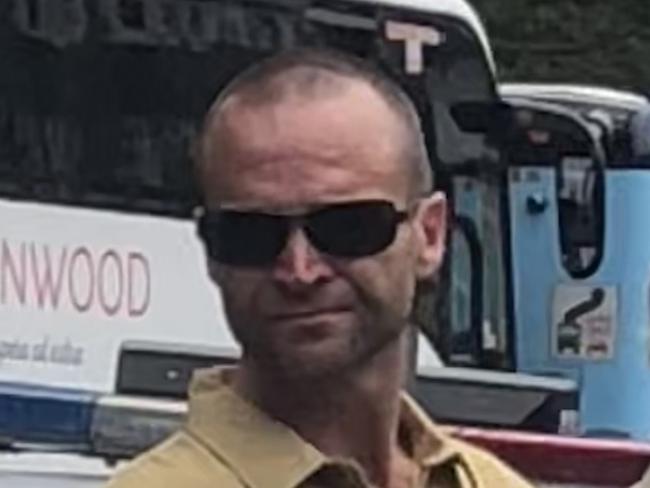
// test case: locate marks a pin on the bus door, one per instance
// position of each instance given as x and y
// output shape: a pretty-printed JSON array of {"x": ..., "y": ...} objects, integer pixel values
[{"x": 556, "y": 206}]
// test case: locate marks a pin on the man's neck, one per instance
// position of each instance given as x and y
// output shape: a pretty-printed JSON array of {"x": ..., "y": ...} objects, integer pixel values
[{"x": 353, "y": 415}]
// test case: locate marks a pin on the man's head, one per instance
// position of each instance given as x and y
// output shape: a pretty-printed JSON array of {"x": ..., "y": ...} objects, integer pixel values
[{"x": 322, "y": 138}]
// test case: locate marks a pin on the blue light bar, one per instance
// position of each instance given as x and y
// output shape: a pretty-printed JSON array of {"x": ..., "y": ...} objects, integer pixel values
[{"x": 57, "y": 418}]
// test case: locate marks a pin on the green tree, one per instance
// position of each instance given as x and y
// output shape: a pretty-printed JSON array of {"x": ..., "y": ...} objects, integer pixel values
[{"x": 596, "y": 42}]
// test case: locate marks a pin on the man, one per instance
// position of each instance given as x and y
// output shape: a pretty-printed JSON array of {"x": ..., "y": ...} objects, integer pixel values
[{"x": 319, "y": 221}]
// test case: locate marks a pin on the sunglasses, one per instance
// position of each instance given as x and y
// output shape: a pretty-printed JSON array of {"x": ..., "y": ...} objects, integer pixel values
[{"x": 346, "y": 230}]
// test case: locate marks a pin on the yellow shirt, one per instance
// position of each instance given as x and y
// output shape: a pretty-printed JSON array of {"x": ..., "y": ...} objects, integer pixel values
[{"x": 228, "y": 443}]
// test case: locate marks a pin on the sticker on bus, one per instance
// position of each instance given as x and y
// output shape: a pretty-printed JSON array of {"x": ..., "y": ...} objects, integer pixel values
[{"x": 584, "y": 322}]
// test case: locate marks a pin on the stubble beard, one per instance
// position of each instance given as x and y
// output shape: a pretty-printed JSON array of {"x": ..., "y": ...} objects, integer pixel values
[{"x": 276, "y": 358}]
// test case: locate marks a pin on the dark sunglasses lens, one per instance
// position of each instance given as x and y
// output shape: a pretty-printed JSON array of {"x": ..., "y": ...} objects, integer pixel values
[
  {"x": 243, "y": 238},
  {"x": 354, "y": 229}
]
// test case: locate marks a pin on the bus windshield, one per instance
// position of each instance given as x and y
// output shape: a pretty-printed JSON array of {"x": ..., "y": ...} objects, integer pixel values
[{"x": 98, "y": 106}]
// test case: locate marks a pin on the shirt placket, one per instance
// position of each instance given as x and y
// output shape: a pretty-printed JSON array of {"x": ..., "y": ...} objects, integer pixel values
[
  {"x": 452, "y": 474},
  {"x": 337, "y": 475}
]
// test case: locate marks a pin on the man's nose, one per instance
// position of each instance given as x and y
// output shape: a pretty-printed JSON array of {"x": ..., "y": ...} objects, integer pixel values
[{"x": 300, "y": 263}]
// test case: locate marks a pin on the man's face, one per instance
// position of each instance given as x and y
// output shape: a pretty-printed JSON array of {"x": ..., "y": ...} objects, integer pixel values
[{"x": 310, "y": 314}]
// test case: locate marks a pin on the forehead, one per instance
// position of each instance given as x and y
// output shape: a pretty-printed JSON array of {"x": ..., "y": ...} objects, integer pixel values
[{"x": 303, "y": 150}]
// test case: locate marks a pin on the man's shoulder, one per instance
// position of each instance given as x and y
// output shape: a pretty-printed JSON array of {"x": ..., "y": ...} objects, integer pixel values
[
  {"x": 179, "y": 461},
  {"x": 487, "y": 468}
]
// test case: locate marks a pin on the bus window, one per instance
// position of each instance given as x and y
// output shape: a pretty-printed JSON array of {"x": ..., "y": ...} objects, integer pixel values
[
  {"x": 549, "y": 135},
  {"x": 455, "y": 146},
  {"x": 581, "y": 220},
  {"x": 471, "y": 319},
  {"x": 105, "y": 119},
  {"x": 476, "y": 334}
]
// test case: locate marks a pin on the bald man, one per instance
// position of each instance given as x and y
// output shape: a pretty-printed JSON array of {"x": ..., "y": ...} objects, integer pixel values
[{"x": 319, "y": 219}]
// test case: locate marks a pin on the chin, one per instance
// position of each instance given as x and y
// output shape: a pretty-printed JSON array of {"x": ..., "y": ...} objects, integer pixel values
[
  {"x": 313, "y": 362},
  {"x": 299, "y": 356}
]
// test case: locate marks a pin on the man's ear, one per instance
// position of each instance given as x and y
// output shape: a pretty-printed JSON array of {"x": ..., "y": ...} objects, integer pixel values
[{"x": 431, "y": 223}]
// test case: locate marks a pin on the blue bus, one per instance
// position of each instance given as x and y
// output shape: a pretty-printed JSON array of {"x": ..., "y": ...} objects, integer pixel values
[
  {"x": 549, "y": 265},
  {"x": 588, "y": 284}
]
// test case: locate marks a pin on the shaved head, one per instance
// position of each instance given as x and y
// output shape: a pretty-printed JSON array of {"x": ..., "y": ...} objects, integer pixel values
[
  {"x": 293, "y": 138},
  {"x": 317, "y": 74}
]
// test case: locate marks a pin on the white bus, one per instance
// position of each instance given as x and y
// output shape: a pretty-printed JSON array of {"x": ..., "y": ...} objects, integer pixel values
[{"x": 99, "y": 264}]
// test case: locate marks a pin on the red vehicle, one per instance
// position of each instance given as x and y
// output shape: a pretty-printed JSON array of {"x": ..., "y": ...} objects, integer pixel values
[{"x": 553, "y": 460}]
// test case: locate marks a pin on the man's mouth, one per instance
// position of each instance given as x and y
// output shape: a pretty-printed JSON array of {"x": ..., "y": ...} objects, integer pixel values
[{"x": 296, "y": 315}]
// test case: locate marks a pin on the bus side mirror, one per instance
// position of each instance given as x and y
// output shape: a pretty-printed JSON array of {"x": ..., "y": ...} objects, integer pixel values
[{"x": 494, "y": 119}]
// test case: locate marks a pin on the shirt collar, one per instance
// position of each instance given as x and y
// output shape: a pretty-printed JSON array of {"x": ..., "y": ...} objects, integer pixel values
[
  {"x": 265, "y": 453},
  {"x": 431, "y": 447}
]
